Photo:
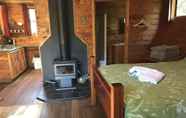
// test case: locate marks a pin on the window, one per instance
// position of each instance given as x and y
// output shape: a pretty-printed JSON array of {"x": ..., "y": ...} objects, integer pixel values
[
  {"x": 181, "y": 8},
  {"x": 177, "y": 8},
  {"x": 33, "y": 21}
]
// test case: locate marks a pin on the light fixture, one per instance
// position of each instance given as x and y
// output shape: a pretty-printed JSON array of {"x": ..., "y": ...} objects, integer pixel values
[{"x": 20, "y": 23}]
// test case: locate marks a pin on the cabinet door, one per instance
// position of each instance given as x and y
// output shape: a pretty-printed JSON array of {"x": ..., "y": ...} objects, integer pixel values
[
  {"x": 13, "y": 63},
  {"x": 4, "y": 68},
  {"x": 22, "y": 60}
]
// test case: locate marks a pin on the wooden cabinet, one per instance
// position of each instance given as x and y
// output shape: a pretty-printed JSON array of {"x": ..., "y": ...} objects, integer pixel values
[
  {"x": 14, "y": 64},
  {"x": 17, "y": 62},
  {"x": 4, "y": 68},
  {"x": 31, "y": 52},
  {"x": 22, "y": 60},
  {"x": 13, "y": 60}
]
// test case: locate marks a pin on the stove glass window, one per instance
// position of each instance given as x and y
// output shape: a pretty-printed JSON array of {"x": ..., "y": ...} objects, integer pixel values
[{"x": 65, "y": 69}]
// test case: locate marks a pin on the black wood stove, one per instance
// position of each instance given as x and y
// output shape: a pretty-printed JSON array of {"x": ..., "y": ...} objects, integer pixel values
[{"x": 66, "y": 74}]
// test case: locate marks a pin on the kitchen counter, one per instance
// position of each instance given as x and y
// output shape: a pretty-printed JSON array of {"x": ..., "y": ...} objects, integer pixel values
[
  {"x": 8, "y": 48},
  {"x": 12, "y": 62}
]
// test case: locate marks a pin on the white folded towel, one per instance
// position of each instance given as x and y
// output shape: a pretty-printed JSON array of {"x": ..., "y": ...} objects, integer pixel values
[{"x": 145, "y": 74}]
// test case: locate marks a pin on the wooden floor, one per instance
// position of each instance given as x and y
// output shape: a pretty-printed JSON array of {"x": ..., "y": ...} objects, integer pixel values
[
  {"x": 19, "y": 101},
  {"x": 2, "y": 86}
]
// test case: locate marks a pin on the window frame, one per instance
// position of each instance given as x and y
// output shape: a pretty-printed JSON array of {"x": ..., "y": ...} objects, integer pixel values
[
  {"x": 173, "y": 10},
  {"x": 31, "y": 8}
]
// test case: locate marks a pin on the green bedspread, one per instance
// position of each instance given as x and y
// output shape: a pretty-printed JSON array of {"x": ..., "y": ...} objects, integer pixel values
[{"x": 144, "y": 100}]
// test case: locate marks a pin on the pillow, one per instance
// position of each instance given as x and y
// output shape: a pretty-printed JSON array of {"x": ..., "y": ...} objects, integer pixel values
[
  {"x": 165, "y": 53},
  {"x": 145, "y": 74}
]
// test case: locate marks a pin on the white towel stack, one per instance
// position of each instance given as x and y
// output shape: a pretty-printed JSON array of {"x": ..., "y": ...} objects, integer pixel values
[{"x": 145, "y": 74}]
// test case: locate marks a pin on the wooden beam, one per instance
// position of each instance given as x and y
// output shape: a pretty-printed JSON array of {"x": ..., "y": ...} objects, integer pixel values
[
  {"x": 92, "y": 81},
  {"x": 164, "y": 15},
  {"x": 17, "y": 1},
  {"x": 117, "y": 93},
  {"x": 127, "y": 30},
  {"x": 173, "y": 9}
]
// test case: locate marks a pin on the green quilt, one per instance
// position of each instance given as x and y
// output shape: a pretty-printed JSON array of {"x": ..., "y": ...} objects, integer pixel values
[{"x": 144, "y": 100}]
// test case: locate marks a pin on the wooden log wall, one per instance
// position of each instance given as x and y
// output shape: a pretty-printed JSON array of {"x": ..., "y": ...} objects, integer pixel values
[
  {"x": 84, "y": 28},
  {"x": 140, "y": 37},
  {"x": 4, "y": 19},
  {"x": 171, "y": 32},
  {"x": 84, "y": 25},
  {"x": 43, "y": 19},
  {"x": 15, "y": 13}
]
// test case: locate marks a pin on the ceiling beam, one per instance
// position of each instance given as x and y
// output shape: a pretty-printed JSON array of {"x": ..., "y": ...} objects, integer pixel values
[{"x": 17, "y": 1}]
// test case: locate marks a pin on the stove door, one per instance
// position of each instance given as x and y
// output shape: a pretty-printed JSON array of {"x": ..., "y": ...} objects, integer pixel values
[{"x": 65, "y": 70}]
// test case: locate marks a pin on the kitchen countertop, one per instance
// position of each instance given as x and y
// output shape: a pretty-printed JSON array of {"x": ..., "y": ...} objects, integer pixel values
[{"x": 8, "y": 48}]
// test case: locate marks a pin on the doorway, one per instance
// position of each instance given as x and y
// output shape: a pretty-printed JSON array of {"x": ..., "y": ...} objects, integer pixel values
[
  {"x": 110, "y": 32},
  {"x": 101, "y": 36}
]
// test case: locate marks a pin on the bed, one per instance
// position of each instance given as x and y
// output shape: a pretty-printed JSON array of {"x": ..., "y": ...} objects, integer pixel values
[{"x": 123, "y": 97}]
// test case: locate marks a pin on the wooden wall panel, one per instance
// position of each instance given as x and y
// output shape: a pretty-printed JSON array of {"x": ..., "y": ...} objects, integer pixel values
[
  {"x": 43, "y": 20},
  {"x": 15, "y": 13},
  {"x": 5, "y": 19},
  {"x": 149, "y": 11},
  {"x": 28, "y": 41},
  {"x": 84, "y": 25},
  {"x": 140, "y": 37},
  {"x": 84, "y": 28},
  {"x": 173, "y": 34}
]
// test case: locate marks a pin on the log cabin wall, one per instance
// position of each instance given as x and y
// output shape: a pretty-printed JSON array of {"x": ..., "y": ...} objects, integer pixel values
[
  {"x": 4, "y": 19},
  {"x": 84, "y": 27},
  {"x": 43, "y": 25},
  {"x": 141, "y": 36},
  {"x": 15, "y": 13},
  {"x": 43, "y": 19},
  {"x": 173, "y": 34}
]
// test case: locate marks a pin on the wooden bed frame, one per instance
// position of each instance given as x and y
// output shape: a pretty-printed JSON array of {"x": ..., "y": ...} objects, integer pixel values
[{"x": 111, "y": 96}]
